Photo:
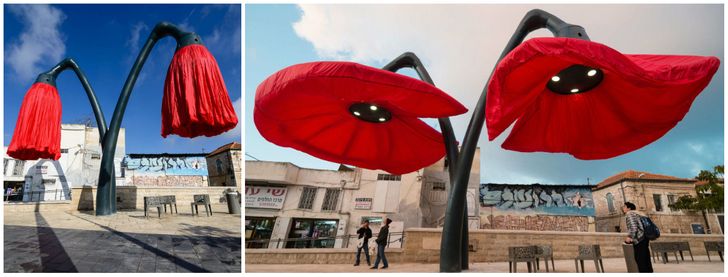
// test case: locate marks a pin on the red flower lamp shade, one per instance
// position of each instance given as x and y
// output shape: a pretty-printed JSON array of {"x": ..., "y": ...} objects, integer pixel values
[
  {"x": 349, "y": 113},
  {"x": 38, "y": 129},
  {"x": 586, "y": 99},
  {"x": 195, "y": 102}
]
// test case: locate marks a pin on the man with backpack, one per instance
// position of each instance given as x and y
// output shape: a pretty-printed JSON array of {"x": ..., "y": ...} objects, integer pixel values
[{"x": 638, "y": 237}]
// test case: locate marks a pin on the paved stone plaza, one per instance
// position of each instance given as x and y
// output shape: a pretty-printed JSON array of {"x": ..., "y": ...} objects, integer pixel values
[
  {"x": 65, "y": 241},
  {"x": 612, "y": 265}
]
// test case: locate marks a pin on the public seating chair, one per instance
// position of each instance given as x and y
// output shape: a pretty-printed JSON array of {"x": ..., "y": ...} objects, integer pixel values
[
  {"x": 201, "y": 199},
  {"x": 152, "y": 202},
  {"x": 589, "y": 252},
  {"x": 716, "y": 246},
  {"x": 545, "y": 252},
  {"x": 661, "y": 249},
  {"x": 159, "y": 202},
  {"x": 522, "y": 254},
  {"x": 684, "y": 246}
]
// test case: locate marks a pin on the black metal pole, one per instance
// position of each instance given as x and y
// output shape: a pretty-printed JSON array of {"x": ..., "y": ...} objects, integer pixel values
[
  {"x": 451, "y": 240},
  {"x": 411, "y": 60},
  {"x": 49, "y": 77},
  {"x": 106, "y": 190}
]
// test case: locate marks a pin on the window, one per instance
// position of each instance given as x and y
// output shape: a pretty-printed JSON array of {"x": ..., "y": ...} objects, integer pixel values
[
  {"x": 7, "y": 165},
  {"x": 658, "y": 202},
  {"x": 610, "y": 203},
  {"x": 389, "y": 177},
  {"x": 95, "y": 156},
  {"x": 670, "y": 199},
  {"x": 438, "y": 186},
  {"x": 64, "y": 150},
  {"x": 18, "y": 169},
  {"x": 307, "y": 197},
  {"x": 218, "y": 164},
  {"x": 331, "y": 198}
]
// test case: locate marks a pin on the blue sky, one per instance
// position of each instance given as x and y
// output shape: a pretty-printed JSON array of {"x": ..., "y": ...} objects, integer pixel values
[
  {"x": 460, "y": 44},
  {"x": 105, "y": 40}
]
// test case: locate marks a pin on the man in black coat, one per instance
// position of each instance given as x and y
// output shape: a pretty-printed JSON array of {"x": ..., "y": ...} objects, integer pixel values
[
  {"x": 382, "y": 240},
  {"x": 364, "y": 233}
]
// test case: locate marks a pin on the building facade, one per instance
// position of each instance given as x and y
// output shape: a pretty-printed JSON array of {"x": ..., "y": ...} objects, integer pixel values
[
  {"x": 537, "y": 207},
  {"x": 651, "y": 193},
  {"x": 297, "y": 207},
  {"x": 223, "y": 166},
  {"x": 78, "y": 166}
]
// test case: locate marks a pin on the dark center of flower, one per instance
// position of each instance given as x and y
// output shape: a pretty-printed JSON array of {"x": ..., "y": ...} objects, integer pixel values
[
  {"x": 575, "y": 79},
  {"x": 370, "y": 112}
]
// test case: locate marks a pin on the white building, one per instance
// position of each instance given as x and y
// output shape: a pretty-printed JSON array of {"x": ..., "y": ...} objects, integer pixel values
[
  {"x": 285, "y": 202},
  {"x": 78, "y": 166}
]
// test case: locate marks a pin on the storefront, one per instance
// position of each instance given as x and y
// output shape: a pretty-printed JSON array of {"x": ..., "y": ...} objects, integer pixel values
[
  {"x": 258, "y": 228},
  {"x": 312, "y": 233}
]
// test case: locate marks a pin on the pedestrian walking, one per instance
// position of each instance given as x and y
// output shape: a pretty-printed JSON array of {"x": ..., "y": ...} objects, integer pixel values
[
  {"x": 382, "y": 240},
  {"x": 363, "y": 245},
  {"x": 637, "y": 238}
]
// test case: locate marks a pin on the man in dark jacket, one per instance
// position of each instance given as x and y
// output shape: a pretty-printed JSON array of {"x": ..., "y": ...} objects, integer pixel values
[
  {"x": 637, "y": 238},
  {"x": 382, "y": 240},
  {"x": 364, "y": 235}
]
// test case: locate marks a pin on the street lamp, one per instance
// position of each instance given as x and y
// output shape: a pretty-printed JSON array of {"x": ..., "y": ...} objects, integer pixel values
[
  {"x": 195, "y": 103},
  {"x": 547, "y": 85}
]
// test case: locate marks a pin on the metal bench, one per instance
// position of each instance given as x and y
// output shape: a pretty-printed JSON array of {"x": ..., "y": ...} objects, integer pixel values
[
  {"x": 522, "y": 254},
  {"x": 545, "y": 252},
  {"x": 716, "y": 246},
  {"x": 159, "y": 202},
  {"x": 684, "y": 246},
  {"x": 589, "y": 252},
  {"x": 661, "y": 249},
  {"x": 201, "y": 199}
]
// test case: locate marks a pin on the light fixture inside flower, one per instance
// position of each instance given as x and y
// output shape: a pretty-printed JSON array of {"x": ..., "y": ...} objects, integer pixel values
[
  {"x": 586, "y": 99},
  {"x": 196, "y": 101},
  {"x": 37, "y": 132},
  {"x": 353, "y": 114}
]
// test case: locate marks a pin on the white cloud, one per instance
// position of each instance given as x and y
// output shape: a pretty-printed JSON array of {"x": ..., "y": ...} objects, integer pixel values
[
  {"x": 136, "y": 32},
  {"x": 40, "y": 44},
  {"x": 236, "y": 132},
  {"x": 460, "y": 44}
]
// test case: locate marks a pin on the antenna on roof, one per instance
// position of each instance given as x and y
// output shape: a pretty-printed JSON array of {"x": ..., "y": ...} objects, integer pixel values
[{"x": 587, "y": 181}]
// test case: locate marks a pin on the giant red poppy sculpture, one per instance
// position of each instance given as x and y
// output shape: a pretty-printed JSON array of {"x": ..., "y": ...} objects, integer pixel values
[
  {"x": 38, "y": 128},
  {"x": 196, "y": 102},
  {"x": 586, "y": 99},
  {"x": 349, "y": 113}
]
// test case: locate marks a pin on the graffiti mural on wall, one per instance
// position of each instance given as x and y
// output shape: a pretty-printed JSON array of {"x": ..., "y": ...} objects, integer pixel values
[
  {"x": 537, "y": 223},
  {"x": 168, "y": 165},
  {"x": 542, "y": 199}
]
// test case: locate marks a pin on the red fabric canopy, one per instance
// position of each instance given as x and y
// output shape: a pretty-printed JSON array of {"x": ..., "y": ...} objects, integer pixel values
[
  {"x": 640, "y": 98},
  {"x": 306, "y": 107},
  {"x": 38, "y": 129},
  {"x": 196, "y": 102}
]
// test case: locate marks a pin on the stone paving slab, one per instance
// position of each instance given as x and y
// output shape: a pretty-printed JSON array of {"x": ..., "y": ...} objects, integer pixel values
[
  {"x": 611, "y": 265},
  {"x": 78, "y": 242}
]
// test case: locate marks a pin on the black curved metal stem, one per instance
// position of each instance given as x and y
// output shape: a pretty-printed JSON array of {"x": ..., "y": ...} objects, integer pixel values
[
  {"x": 451, "y": 241},
  {"x": 106, "y": 190},
  {"x": 411, "y": 60},
  {"x": 50, "y": 76}
]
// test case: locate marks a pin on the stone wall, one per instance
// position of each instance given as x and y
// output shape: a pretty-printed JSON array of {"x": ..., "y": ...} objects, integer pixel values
[
  {"x": 422, "y": 245},
  {"x": 133, "y": 197}
]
